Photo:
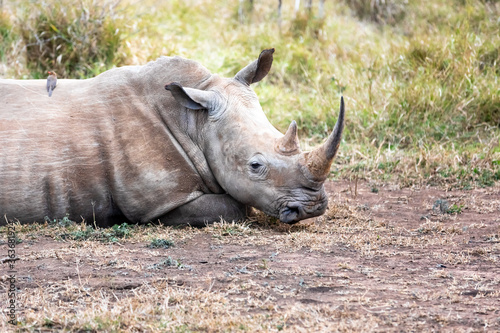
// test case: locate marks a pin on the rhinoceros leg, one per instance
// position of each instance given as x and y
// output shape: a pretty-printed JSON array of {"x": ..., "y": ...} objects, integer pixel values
[{"x": 207, "y": 208}]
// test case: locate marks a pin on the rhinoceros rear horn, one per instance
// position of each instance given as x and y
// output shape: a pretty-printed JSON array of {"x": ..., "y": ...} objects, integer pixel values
[
  {"x": 289, "y": 144},
  {"x": 318, "y": 161},
  {"x": 190, "y": 98},
  {"x": 257, "y": 70}
]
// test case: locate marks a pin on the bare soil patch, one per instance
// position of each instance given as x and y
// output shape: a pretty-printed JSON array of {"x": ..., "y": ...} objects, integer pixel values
[{"x": 381, "y": 259}]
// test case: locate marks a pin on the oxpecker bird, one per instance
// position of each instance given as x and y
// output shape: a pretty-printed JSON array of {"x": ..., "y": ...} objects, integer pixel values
[{"x": 51, "y": 82}]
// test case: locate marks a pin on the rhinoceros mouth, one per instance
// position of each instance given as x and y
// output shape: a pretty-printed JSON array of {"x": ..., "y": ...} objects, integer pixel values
[{"x": 294, "y": 212}]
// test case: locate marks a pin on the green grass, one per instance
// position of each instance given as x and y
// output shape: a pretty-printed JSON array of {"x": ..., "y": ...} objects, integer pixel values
[
  {"x": 82, "y": 232},
  {"x": 168, "y": 262},
  {"x": 161, "y": 243},
  {"x": 7, "y": 35},
  {"x": 420, "y": 79},
  {"x": 454, "y": 209}
]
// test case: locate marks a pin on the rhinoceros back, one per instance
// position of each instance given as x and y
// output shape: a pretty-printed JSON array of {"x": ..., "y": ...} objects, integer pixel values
[{"x": 96, "y": 148}]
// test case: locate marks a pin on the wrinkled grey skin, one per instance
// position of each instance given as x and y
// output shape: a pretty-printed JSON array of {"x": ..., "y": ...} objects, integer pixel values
[{"x": 119, "y": 147}]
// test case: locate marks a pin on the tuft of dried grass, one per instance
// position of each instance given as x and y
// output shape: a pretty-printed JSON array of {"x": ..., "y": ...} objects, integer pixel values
[{"x": 76, "y": 40}]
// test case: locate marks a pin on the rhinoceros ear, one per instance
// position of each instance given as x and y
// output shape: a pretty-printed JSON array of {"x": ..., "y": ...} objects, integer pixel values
[
  {"x": 258, "y": 69},
  {"x": 190, "y": 98}
]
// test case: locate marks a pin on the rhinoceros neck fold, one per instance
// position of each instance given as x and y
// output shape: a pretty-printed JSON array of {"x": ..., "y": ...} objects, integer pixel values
[
  {"x": 194, "y": 155},
  {"x": 183, "y": 125}
]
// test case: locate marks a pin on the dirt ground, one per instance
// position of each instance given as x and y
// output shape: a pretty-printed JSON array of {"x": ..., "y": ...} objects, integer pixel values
[{"x": 381, "y": 259}]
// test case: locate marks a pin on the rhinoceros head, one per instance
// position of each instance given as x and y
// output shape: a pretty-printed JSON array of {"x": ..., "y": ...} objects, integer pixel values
[{"x": 252, "y": 161}]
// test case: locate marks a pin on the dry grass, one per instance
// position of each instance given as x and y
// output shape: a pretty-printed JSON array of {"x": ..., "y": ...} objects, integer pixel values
[
  {"x": 76, "y": 41},
  {"x": 161, "y": 307},
  {"x": 356, "y": 269}
]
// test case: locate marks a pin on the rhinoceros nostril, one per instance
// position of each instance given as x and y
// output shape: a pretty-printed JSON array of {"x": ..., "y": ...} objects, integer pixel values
[
  {"x": 290, "y": 214},
  {"x": 294, "y": 210}
]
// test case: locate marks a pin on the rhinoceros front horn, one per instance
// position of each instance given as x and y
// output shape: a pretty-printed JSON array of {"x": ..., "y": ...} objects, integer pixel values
[{"x": 318, "y": 161}]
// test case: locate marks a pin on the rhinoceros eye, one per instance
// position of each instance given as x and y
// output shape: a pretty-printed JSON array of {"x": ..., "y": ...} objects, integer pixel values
[{"x": 255, "y": 166}]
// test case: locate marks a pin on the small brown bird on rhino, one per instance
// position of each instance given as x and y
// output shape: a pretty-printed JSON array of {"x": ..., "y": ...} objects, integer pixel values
[{"x": 51, "y": 82}]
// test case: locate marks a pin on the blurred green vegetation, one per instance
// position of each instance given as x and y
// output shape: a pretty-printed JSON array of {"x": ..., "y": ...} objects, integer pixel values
[
  {"x": 6, "y": 34},
  {"x": 379, "y": 11},
  {"x": 420, "y": 79},
  {"x": 75, "y": 39}
]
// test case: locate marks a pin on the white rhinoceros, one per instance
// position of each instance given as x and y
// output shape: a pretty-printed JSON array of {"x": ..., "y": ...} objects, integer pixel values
[{"x": 119, "y": 147}]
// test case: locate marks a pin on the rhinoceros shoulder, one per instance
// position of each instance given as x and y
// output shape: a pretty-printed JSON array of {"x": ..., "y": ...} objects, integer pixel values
[{"x": 178, "y": 69}]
